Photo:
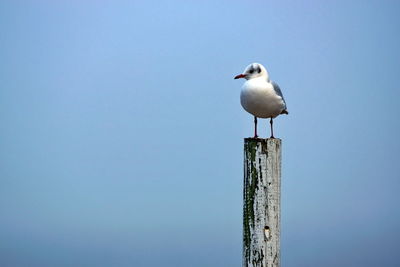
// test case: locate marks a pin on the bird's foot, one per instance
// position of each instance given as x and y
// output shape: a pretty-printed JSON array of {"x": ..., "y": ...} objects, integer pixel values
[{"x": 272, "y": 137}]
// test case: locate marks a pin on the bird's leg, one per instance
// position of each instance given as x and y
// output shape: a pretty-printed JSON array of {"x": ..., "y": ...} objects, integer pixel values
[
  {"x": 272, "y": 129},
  {"x": 255, "y": 127}
]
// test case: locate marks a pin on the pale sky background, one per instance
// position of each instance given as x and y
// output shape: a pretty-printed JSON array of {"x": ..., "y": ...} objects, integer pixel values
[{"x": 121, "y": 131}]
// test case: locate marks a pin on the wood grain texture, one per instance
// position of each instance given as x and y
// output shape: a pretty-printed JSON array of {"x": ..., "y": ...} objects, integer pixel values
[{"x": 261, "y": 202}]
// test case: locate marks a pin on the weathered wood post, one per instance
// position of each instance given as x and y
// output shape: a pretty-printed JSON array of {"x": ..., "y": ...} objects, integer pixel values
[{"x": 262, "y": 202}]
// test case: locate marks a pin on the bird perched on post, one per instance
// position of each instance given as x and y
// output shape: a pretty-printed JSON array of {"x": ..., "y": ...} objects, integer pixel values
[{"x": 260, "y": 96}]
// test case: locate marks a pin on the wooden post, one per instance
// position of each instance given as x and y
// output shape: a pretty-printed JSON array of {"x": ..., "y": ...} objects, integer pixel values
[{"x": 262, "y": 202}]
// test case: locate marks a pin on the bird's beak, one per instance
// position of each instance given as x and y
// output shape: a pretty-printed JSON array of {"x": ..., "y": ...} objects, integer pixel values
[{"x": 240, "y": 76}]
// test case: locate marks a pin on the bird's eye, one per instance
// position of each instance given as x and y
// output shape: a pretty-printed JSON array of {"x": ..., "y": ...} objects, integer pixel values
[
  {"x": 259, "y": 69},
  {"x": 251, "y": 70}
]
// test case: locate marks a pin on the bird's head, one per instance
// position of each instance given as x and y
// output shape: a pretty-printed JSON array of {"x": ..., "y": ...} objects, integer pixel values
[{"x": 252, "y": 71}]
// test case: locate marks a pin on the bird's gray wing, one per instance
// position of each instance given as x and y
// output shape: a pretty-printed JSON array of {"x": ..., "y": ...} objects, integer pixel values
[{"x": 279, "y": 92}]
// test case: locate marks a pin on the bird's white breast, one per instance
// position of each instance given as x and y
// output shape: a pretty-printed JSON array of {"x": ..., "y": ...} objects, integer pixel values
[{"x": 258, "y": 97}]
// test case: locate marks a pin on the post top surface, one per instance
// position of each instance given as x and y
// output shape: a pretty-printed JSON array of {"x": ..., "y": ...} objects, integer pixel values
[
  {"x": 252, "y": 139},
  {"x": 263, "y": 142}
]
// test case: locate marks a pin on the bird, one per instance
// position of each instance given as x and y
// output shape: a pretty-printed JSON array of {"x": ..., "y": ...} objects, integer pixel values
[{"x": 260, "y": 96}]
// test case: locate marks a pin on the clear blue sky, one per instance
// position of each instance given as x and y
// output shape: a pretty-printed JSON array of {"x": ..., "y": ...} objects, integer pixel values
[{"x": 121, "y": 132}]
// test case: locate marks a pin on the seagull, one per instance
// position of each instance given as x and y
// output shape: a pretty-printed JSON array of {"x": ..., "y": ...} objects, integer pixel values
[{"x": 260, "y": 96}]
